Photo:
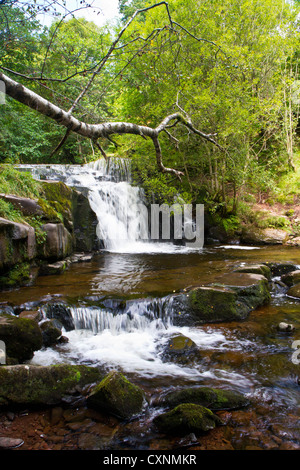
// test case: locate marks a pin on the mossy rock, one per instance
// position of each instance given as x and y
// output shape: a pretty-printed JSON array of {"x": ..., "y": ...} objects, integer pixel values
[
  {"x": 214, "y": 399},
  {"x": 294, "y": 291},
  {"x": 291, "y": 278},
  {"x": 60, "y": 196},
  {"x": 281, "y": 268},
  {"x": 262, "y": 269},
  {"x": 43, "y": 385},
  {"x": 51, "y": 333},
  {"x": 213, "y": 304},
  {"x": 22, "y": 336},
  {"x": 117, "y": 396},
  {"x": 252, "y": 289},
  {"x": 180, "y": 349},
  {"x": 187, "y": 418}
]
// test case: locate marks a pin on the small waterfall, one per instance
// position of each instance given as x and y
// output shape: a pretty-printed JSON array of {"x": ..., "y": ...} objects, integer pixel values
[{"x": 152, "y": 314}]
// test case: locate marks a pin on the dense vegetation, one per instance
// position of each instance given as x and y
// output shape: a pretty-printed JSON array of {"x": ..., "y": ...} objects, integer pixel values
[{"x": 231, "y": 66}]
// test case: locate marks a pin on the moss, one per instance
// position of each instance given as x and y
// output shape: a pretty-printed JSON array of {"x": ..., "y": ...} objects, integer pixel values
[
  {"x": 37, "y": 385},
  {"x": 213, "y": 303},
  {"x": 117, "y": 395},
  {"x": 187, "y": 418},
  {"x": 19, "y": 274},
  {"x": 211, "y": 398}
]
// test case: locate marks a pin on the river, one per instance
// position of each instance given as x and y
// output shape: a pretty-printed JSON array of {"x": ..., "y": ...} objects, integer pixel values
[{"x": 118, "y": 303}]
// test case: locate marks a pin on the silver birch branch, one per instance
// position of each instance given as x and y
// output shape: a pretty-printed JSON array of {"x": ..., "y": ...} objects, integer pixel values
[{"x": 34, "y": 101}]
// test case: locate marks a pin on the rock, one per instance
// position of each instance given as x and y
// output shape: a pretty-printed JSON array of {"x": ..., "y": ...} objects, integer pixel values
[
  {"x": 61, "y": 313},
  {"x": 230, "y": 298},
  {"x": 10, "y": 443},
  {"x": 267, "y": 236},
  {"x": 30, "y": 385},
  {"x": 31, "y": 314},
  {"x": 281, "y": 268},
  {"x": 117, "y": 396},
  {"x": 262, "y": 269},
  {"x": 85, "y": 224},
  {"x": 17, "y": 243},
  {"x": 207, "y": 304},
  {"x": 179, "y": 348},
  {"x": 58, "y": 244},
  {"x": 214, "y": 399},
  {"x": 55, "y": 268},
  {"x": 25, "y": 205},
  {"x": 22, "y": 336},
  {"x": 285, "y": 327},
  {"x": 291, "y": 278},
  {"x": 185, "y": 419},
  {"x": 294, "y": 291},
  {"x": 51, "y": 333},
  {"x": 59, "y": 197},
  {"x": 252, "y": 289}
]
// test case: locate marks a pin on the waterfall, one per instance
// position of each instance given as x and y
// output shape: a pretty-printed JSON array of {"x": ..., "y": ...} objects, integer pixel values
[{"x": 120, "y": 207}]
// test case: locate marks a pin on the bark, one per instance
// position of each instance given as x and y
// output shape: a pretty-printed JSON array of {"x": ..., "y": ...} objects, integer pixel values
[{"x": 34, "y": 101}]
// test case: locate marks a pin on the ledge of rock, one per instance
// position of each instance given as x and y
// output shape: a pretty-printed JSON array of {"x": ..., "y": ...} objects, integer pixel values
[
  {"x": 267, "y": 236},
  {"x": 43, "y": 385}
]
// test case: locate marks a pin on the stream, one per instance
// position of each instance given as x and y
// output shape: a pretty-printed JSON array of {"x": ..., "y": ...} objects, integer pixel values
[{"x": 122, "y": 315}]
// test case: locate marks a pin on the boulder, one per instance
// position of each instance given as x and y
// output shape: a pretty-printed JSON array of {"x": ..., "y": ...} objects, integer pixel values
[
  {"x": 252, "y": 289},
  {"x": 187, "y": 418},
  {"x": 230, "y": 298},
  {"x": 30, "y": 385},
  {"x": 53, "y": 268},
  {"x": 267, "y": 236},
  {"x": 25, "y": 205},
  {"x": 294, "y": 291},
  {"x": 17, "y": 243},
  {"x": 117, "y": 396},
  {"x": 291, "y": 278},
  {"x": 214, "y": 399},
  {"x": 58, "y": 244},
  {"x": 281, "y": 268},
  {"x": 22, "y": 336},
  {"x": 262, "y": 269},
  {"x": 61, "y": 313},
  {"x": 50, "y": 332},
  {"x": 179, "y": 348}
]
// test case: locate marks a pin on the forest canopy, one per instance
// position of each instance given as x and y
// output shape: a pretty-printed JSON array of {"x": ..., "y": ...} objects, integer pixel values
[{"x": 228, "y": 70}]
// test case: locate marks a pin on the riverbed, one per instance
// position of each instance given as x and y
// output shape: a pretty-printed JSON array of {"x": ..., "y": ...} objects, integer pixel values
[{"x": 250, "y": 356}]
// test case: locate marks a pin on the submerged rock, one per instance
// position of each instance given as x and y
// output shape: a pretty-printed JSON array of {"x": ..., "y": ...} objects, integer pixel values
[
  {"x": 212, "y": 398},
  {"x": 22, "y": 336},
  {"x": 43, "y": 385},
  {"x": 187, "y": 418},
  {"x": 116, "y": 395},
  {"x": 179, "y": 348}
]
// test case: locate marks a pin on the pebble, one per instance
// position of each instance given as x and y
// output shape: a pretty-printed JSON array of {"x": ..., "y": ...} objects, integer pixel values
[{"x": 285, "y": 327}]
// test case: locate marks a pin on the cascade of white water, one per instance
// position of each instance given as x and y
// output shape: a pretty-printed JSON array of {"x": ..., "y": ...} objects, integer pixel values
[{"x": 122, "y": 214}]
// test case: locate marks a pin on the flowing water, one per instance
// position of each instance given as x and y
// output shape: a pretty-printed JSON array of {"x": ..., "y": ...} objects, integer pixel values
[{"x": 121, "y": 309}]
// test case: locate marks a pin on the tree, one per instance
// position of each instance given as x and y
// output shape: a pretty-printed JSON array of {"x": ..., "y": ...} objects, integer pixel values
[{"x": 105, "y": 130}]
